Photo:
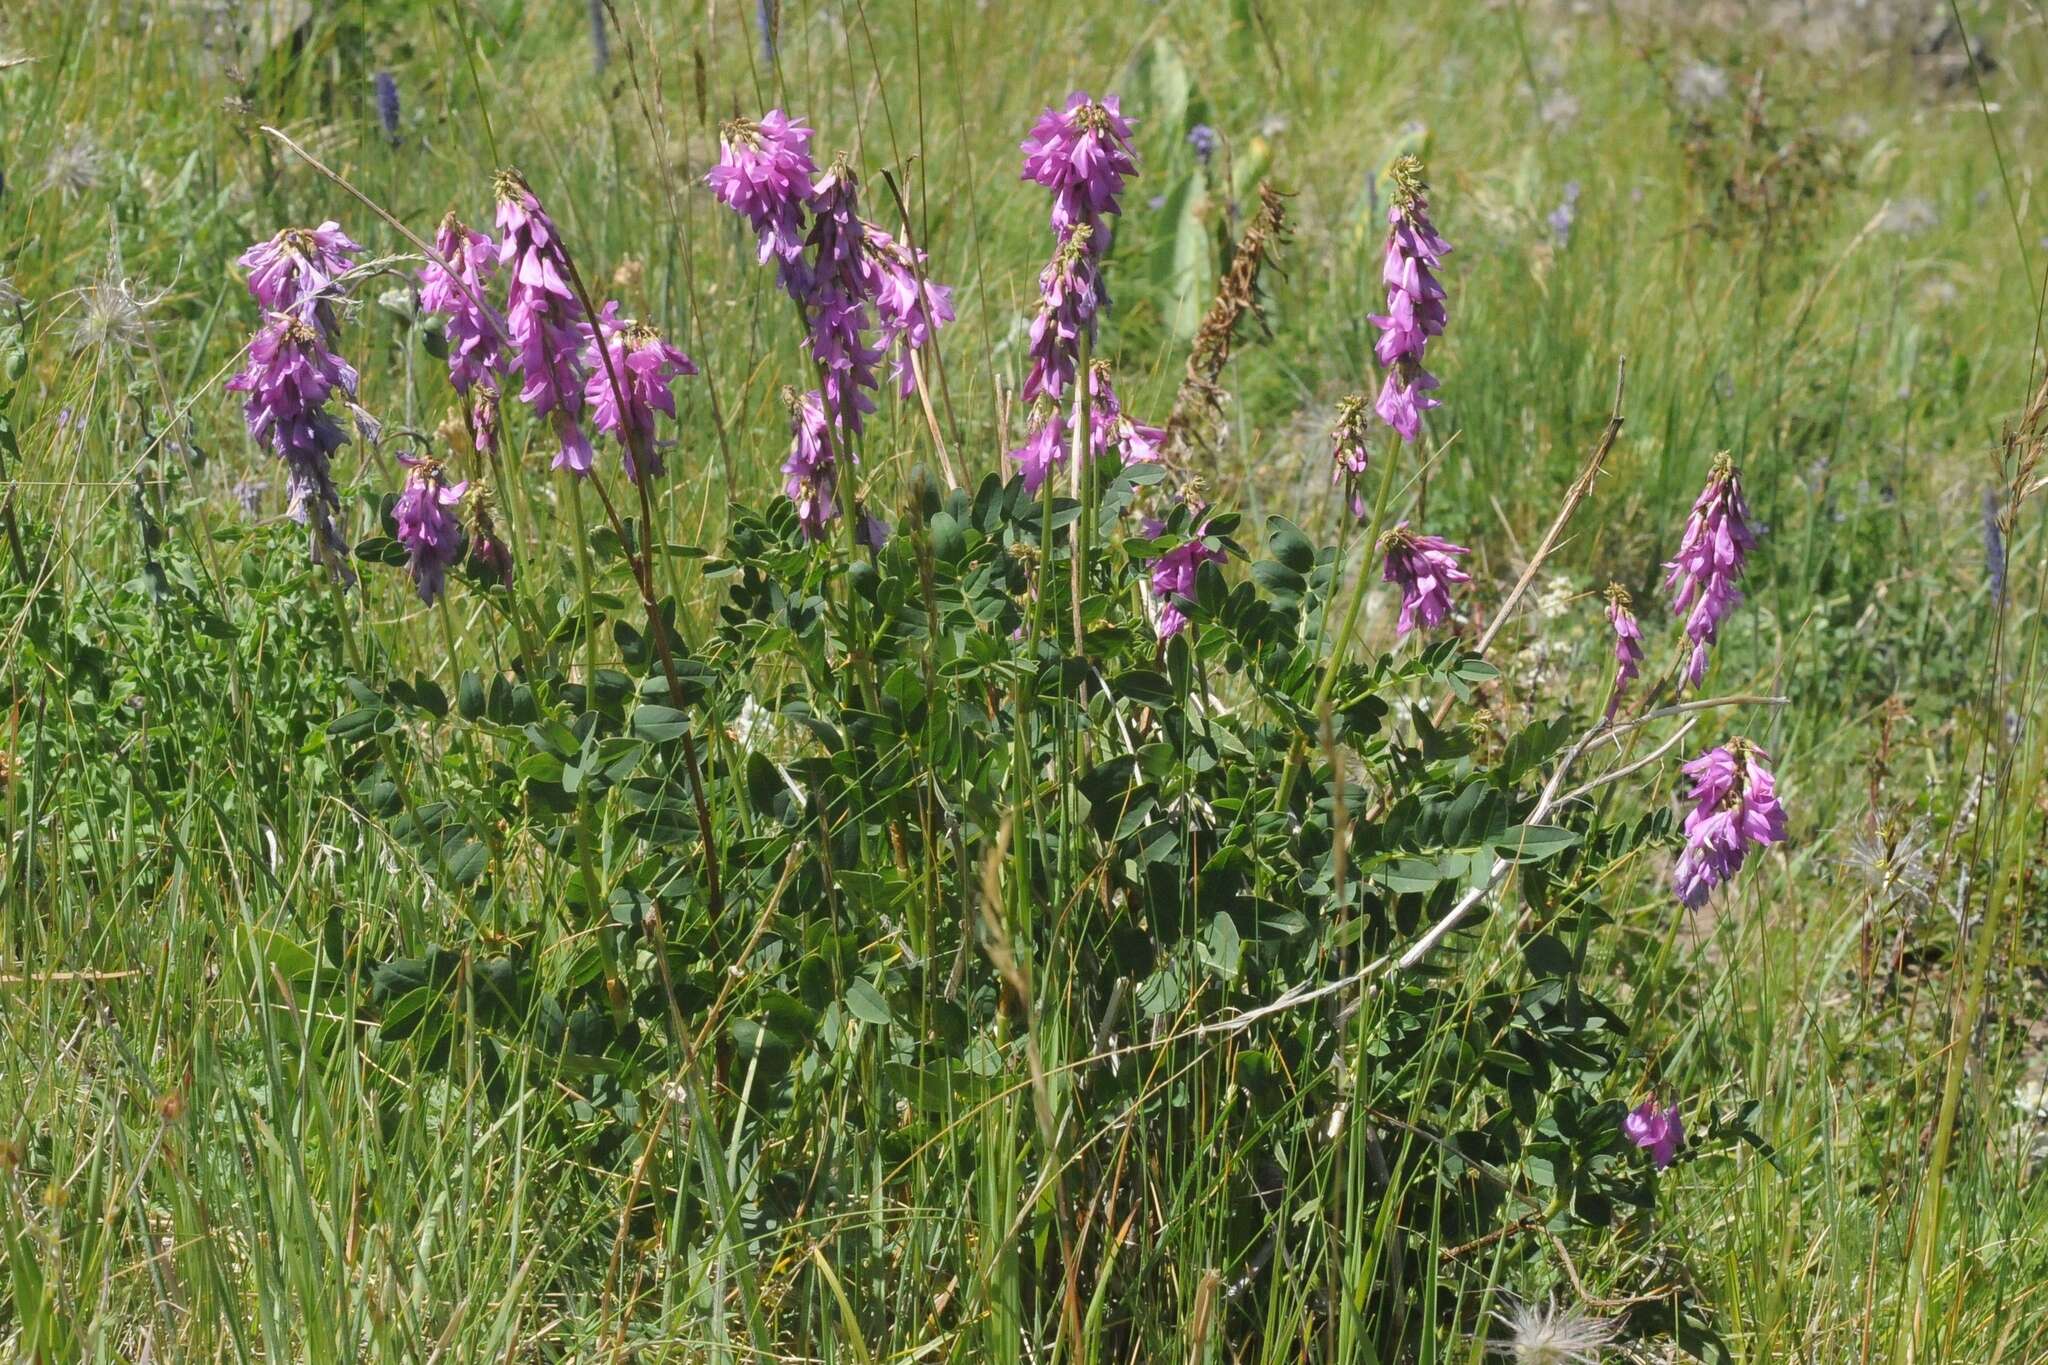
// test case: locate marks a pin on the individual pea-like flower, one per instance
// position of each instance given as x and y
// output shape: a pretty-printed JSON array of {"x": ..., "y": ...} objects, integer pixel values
[
  {"x": 431, "y": 535},
  {"x": 908, "y": 304},
  {"x": 1628, "y": 645},
  {"x": 1082, "y": 153},
  {"x": 1703, "y": 575},
  {"x": 645, "y": 368},
  {"x": 1350, "y": 451},
  {"x": 1174, "y": 573},
  {"x": 811, "y": 473},
  {"x": 542, "y": 317},
  {"x": 1045, "y": 449},
  {"x": 483, "y": 420},
  {"x": 1735, "y": 808},
  {"x": 1111, "y": 429},
  {"x": 475, "y": 333},
  {"x": 1069, "y": 297},
  {"x": 1424, "y": 567},
  {"x": 1660, "y": 1132},
  {"x": 764, "y": 174},
  {"x": 1415, "y": 302}
]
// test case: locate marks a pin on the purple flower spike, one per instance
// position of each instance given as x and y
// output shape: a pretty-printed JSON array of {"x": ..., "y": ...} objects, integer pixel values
[
  {"x": 903, "y": 304},
  {"x": 475, "y": 333},
  {"x": 1083, "y": 155},
  {"x": 294, "y": 271},
  {"x": 1349, "y": 452},
  {"x": 1703, "y": 576},
  {"x": 646, "y": 368},
  {"x": 1660, "y": 1132},
  {"x": 1734, "y": 808},
  {"x": 811, "y": 473},
  {"x": 1424, "y": 567},
  {"x": 1069, "y": 297},
  {"x": 543, "y": 317},
  {"x": 764, "y": 174},
  {"x": 1628, "y": 645},
  {"x": 1044, "y": 450},
  {"x": 430, "y": 534},
  {"x": 1415, "y": 302},
  {"x": 1173, "y": 574}
]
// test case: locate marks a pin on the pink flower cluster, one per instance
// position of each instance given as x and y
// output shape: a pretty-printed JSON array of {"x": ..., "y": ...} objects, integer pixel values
[
  {"x": 544, "y": 318},
  {"x": 862, "y": 293},
  {"x": 1174, "y": 573},
  {"x": 1349, "y": 452},
  {"x": 1735, "y": 808},
  {"x": 1415, "y": 302},
  {"x": 1660, "y": 1132},
  {"x": 1628, "y": 645},
  {"x": 429, "y": 532},
  {"x": 1424, "y": 567},
  {"x": 640, "y": 381},
  {"x": 1703, "y": 576},
  {"x": 458, "y": 291}
]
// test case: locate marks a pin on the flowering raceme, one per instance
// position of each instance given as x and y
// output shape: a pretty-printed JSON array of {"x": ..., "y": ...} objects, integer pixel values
[
  {"x": 1349, "y": 453},
  {"x": 543, "y": 316},
  {"x": 645, "y": 368},
  {"x": 1173, "y": 574},
  {"x": 429, "y": 532},
  {"x": 1082, "y": 153},
  {"x": 295, "y": 271},
  {"x": 908, "y": 304},
  {"x": 474, "y": 332},
  {"x": 764, "y": 174},
  {"x": 1660, "y": 1132},
  {"x": 1415, "y": 302},
  {"x": 1044, "y": 449},
  {"x": 1628, "y": 645},
  {"x": 1069, "y": 298},
  {"x": 1703, "y": 576},
  {"x": 811, "y": 475},
  {"x": 1735, "y": 807},
  {"x": 1424, "y": 567},
  {"x": 290, "y": 377}
]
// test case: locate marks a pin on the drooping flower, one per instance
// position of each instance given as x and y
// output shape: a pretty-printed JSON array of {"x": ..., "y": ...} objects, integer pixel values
[
  {"x": 542, "y": 317},
  {"x": 1703, "y": 576},
  {"x": 909, "y": 305},
  {"x": 1735, "y": 807},
  {"x": 764, "y": 174},
  {"x": 475, "y": 333},
  {"x": 1546, "y": 1334},
  {"x": 431, "y": 535},
  {"x": 646, "y": 368},
  {"x": 1350, "y": 451},
  {"x": 1628, "y": 645},
  {"x": 837, "y": 280},
  {"x": 1081, "y": 153},
  {"x": 1424, "y": 567},
  {"x": 1660, "y": 1132},
  {"x": 1045, "y": 449},
  {"x": 1174, "y": 573},
  {"x": 295, "y": 270},
  {"x": 811, "y": 473},
  {"x": 1069, "y": 297},
  {"x": 1415, "y": 302}
]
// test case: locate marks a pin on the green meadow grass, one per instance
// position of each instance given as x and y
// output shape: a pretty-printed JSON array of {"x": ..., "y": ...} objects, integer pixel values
[{"x": 1833, "y": 270}]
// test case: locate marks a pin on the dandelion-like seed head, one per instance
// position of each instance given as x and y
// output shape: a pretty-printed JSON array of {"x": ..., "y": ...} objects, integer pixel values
[
  {"x": 1545, "y": 1334},
  {"x": 112, "y": 318},
  {"x": 1890, "y": 858},
  {"x": 75, "y": 166}
]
